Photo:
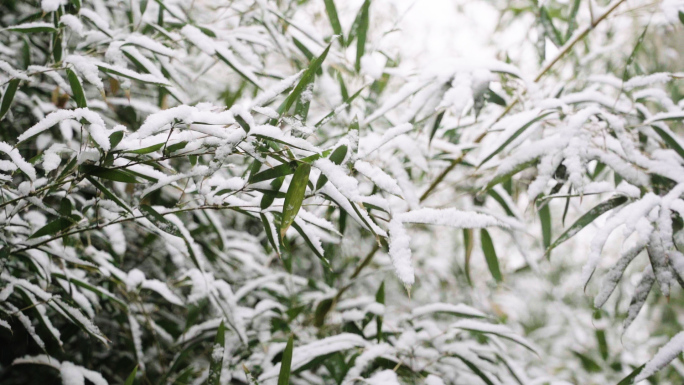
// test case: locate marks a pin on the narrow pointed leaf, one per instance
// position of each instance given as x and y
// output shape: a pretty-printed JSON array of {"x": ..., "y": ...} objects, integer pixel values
[
  {"x": 286, "y": 363},
  {"x": 294, "y": 196},
  {"x": 586, "y": 219},
  {"x": 217, "y": 357},
  {"x": 8, "y": 97},
  {"x": 76, "y": 89},
  {"x": 490, "y": 255}
]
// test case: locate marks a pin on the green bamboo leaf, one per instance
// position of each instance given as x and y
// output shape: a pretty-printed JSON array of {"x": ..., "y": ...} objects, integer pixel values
[
  {"x": 112, "y": 174},
  {"x": 497, "y": 197},
  {"x": 322, "y": 310},
  {"x": 158, "y": 220},
  {"x": 336, "y": 157},
  {"x": 274, "y": 172},
  {"x": 287, "y": 168},
  {"x": 670, "y": 139},
  {"x": 468, "y": 243},
  {"x": 334, "y": 112},
  {"x": 59, "y": 224},
  {"x": 286, "y": 363},
  {"x": 8, "y": 97},
  {"x": 108, "y": 193},
  {"x": 76, "y": 89},
  {"x": 550, "y": 29},
  {"x": 115, "y": 138},
  {"x": 490, "y": 255},
  {"x": 475, "y": 370},
  {"x": 95, "y": 289},
  {"x": 361, "y": 33},
  {"x": 572, "y": 20},
  {"x": 545, "y": 219},
  {"x": 435, "y": 126},
  {"x": 294, "y": 196},
  {"x": 517, "y": 133},
  {"x": 131, "y": 75},
  {"x": 380, "y": 298},
  {"x": 587, "y": 218},
  {"x": 495, "y": 98},
  {"x": 681, "y": 16},
  {"x": 57, "y": 50},
  {"x": 270, "y": 196},
  {"x": 216, "y": 358},
  {"x": 269, "y": 234},
  {"x": 307, "y": 77},
  {"x": 507, "y": 176},
  {"x": 147, "y": 150},
  {"x": 131, "y": 377},
  {"x": 308, "y": 242},
  {"x": 630, "y": 377},
  {"x": 587, "y": 362},
  {"x": 602, "y": 343},
  {"x": 331, "y": 10}
]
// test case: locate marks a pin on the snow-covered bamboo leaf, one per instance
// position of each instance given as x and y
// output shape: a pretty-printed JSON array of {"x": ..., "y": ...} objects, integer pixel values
[
  {"x": 665, "y": 355},
  {"x": 629, "y": 380},
  {"x": 588, "y": 218},
  {"x": 217, "y": 357},
  {"x": 522, "y": 122},
  {"x": 159, "y": 221},
  {"x": 33, "y": 27},
  {"x": 336, "y": 157},
  {"x": 306, "y": 79},
  {"x": 116, "y": 175},
  {"x": 669, "y": 138}
]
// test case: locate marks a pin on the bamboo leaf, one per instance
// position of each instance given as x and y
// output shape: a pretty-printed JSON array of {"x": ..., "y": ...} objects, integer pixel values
[
  {"x": 307, "y": 78},
  {"x": 112, "y": 174},
  {"x": 217, "y": 357},
  {"x": 504, "y": 177},
  {"x": 550, "y": 29},
  {"x": 630, "y": 377},
  {"x": 131, "y": 377},
  {"x": 294, "y": 196},
  {"x": 8, "y": 97},
  {"x": 269, "y": 196},
  {"x": 572, "y": 20},
  {"x": 336, "y": 157},
  {"x": 108, "y": 193},
  {"x": 468, "y": 243},
  {"x": 435, "y": 125},
  {"x": 331, "y": 10},
  {"x": 286, "y": 363},
  {"x": 517, "y": 133},
  {"x": 545, "y": 219},
  {"x": 490, "y": 255},
  {"x": 76, "y": 89},
  {"x": 334, "y": 112},
  {"x": 158, "y": 220},
  {"x": 670, "y": 139},
  {"x": 586, "y": 219},
  {"x": 147, "y": 150},
  {"x": 361, "y": 32}
]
